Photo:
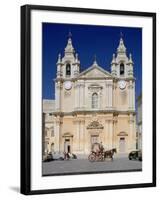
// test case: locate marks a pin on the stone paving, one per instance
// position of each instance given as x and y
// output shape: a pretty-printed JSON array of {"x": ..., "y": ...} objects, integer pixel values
[{"x": 119, "y": 164}]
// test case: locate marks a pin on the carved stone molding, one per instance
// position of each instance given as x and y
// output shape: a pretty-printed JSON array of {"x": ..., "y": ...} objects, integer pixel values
[
  {"x": 67, "y": 134},
  {"x": 95, "y": 88},
  {"x": 92, "y": 90},
  {"x": 95, "y": 125},
  {"x": 95, "y": 132},
  {"x": 122, "y": 134}
]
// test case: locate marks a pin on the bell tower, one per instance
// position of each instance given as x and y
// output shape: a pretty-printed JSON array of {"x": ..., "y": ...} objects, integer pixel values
[
  {"x": 122, "y": 70},
  {"x": 121, "y": 65},
  {"x": 69, "y": 65}
]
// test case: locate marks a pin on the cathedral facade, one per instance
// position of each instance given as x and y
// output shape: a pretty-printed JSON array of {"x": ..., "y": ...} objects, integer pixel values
[{"x": 91, "y": 106}]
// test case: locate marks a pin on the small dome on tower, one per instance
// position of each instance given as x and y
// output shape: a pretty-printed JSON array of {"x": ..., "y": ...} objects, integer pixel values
[
  {"x": 121, "y": 48},
  {"x": 69, "y": 48}
]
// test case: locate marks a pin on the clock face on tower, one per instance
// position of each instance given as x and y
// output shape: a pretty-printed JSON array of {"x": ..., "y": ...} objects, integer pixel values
[
  {"x": 67, "y": 85},
  {"x": 122, "y": 84}
]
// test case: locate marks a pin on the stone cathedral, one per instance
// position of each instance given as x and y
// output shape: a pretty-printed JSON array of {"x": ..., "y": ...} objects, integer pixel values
[{"x": 91, "y": 106}]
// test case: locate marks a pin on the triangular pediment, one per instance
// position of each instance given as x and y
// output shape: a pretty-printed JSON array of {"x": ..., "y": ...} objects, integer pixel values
[{"x": 94, "y": 71}]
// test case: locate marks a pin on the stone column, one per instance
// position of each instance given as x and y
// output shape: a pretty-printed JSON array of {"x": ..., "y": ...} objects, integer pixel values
[
  {"x": 133, "y": 96},
  {"x": 107, "y": 134},
  {"x": 77, "y": 138},
  {"x": 107, "y": 95},
  {"x": 89, "y": 100},
  {"x": 100, "y": 100},
  {"x": 131, "y": 87},
  {"x": 131, "y": 132},
  {"x": 86, "y": 140},
  {"x": 130, "y": 95},
  {"x": 114, "y": 133},
  {"x": 110, "y": 95},
  {"x": 84, "y": 132},
  {"x": 82, "y": 135},
  {"x": 58, "y": 95},
  {"x": 116, "y": 138},
  {"x": 113, "y": 95},
  {"x": 75, "y": 96},
  {"x": 74, "y": 135},
  {"x": 57, "y": 135},
  {"x": 78, "y": 95},
  {"x": 134, "y": 132},
  {"x": 83, "y": 94},
  {"x": 110, "y": 134}
]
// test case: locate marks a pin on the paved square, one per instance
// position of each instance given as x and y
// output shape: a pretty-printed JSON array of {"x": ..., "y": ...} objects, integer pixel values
[{"x": 119, "y": 164}]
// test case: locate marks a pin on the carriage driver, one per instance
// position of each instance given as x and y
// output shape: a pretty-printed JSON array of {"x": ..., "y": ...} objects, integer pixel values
[{"x": 101, "y": 148}]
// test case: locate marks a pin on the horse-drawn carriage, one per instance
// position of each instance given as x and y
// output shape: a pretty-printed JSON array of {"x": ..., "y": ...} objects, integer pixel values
[{"x": 98, "y": 153}]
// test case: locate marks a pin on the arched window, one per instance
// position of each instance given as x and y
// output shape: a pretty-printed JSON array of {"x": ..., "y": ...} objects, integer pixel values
[
  {"x": 121, "y": 69},
  {"x": 68, "y": 69},
  {"x": 94, "y": 100}
]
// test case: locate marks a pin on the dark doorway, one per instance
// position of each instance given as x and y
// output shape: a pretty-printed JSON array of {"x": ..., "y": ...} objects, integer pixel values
[
  {"x": 69, "y": 149},
  {"x": 122, "y": 145},
  {"x": 67, "y": 146}
]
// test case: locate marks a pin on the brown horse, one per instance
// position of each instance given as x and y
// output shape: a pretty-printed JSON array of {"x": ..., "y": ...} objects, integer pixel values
[{"x": 110, "y": 153}]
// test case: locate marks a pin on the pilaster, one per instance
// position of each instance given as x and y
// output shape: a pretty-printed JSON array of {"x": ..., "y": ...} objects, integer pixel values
[
  {"x": 109, "y": 130},
  {"x": 109, "y": 95},
  {"x": 115, "y": 120},
  {"x": 75, "y": 96},
  {"x": 130, "y": 95},
  {"x": 58, "y": 95},
  {"x": 58, "y": 123},
  {"x": 131, "y": 122}
]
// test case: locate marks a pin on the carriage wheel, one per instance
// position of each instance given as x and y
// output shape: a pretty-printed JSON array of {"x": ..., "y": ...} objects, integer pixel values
[
  {"x": 91, "y": 158},
  {"x": 101, "y": 158}
]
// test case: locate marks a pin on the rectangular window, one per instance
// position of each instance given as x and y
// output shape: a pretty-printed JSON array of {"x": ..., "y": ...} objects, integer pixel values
[{"x": 95, "y": 100}]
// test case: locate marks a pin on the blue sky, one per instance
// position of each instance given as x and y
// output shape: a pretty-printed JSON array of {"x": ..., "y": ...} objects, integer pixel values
[{"x": 87, "y": 41}]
